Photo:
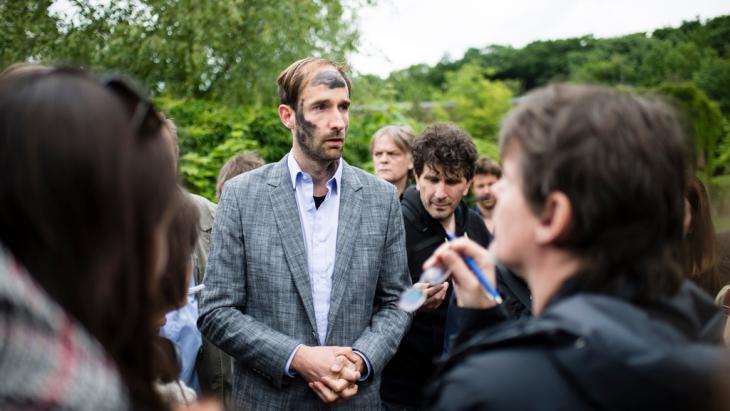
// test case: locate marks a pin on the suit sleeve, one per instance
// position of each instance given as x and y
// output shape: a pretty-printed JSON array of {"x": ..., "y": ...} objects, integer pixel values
[
  {"x": 222, "y": 319},
  {"x": 380, "y": 340}
]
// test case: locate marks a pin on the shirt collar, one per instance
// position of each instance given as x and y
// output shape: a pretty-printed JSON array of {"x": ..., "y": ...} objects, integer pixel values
[{"x": 295, "y": 173}]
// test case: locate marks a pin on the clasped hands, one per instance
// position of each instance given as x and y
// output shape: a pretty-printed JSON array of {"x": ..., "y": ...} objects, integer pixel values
[{"x": 332, "y": 372}]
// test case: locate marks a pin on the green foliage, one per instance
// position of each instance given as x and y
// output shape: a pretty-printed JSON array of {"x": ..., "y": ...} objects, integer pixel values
[
  {"x": 706, "y": 122},
  {"x": 713, "y": 78},
  {"x": 479, "y": 104},
  {"x": 230, "y": 50},
  {"x": 209, "y": 133},
  {"x": 26, "y": 30}
]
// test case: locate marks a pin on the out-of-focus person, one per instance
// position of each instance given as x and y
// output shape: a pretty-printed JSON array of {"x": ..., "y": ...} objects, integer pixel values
[
  {"x": 85, "y": 193},
  {"x": 593, "y": 189},
  {"x": 238, "y": 164},
  {"x": 486, "y": 173},
  {"x": 391, "y": 150}
]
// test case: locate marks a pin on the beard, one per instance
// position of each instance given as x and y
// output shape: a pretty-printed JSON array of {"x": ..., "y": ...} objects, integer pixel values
[
  {"x": 487, "y": 201},
  {"x": 304, "y": 134}
]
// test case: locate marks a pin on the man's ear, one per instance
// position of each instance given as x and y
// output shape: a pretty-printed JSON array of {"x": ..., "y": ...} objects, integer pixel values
[
  {"x": 556, "y": 218},
  {"x": 468, "y": 186},
  {"x": 287, "y": 116}
]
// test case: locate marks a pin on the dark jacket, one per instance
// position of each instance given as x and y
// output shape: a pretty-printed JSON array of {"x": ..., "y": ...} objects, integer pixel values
[
  {"x": 412, "y": 365},
  {"x": 585, "y": 352}
]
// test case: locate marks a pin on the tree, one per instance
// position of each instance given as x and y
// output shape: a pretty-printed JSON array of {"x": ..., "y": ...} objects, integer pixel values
[
  {"x": 26, "y": 29},
  {"x": 705, "y": 121},
  {"x": 713, "y": 78},
  {"x": 230, "y": 50},
  {"x": 478, "y": 103}
]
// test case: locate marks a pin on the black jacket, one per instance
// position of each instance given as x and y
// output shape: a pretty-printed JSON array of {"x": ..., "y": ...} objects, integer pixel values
[
  {"x": 409, "y": 369},
  {"x": 588, "y": 352}
]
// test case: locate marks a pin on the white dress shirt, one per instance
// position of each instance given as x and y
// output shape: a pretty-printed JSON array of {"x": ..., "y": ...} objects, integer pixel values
[{"x": 319, "y": 228}]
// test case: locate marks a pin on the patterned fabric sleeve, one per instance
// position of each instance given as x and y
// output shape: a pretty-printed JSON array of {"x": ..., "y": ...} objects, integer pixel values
[{"x": 47, "y": 360}]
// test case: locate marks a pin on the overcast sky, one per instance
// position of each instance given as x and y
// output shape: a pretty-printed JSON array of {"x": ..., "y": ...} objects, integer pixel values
[{"x": 398, "y": 33}]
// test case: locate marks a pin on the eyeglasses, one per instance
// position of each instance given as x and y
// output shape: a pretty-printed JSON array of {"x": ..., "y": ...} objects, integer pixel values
[{"x": 145, "y": 120}]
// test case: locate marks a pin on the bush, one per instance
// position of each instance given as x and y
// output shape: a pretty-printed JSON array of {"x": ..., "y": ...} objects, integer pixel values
[{"x": 209, "y": 133}]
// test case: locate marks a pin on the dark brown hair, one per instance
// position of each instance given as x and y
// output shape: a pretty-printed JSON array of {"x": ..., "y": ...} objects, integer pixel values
[
  {"x": 619, "y": 158},
  {"x": 446, "y": 146},
  {"x": 238, "y": 164},
  {"x": 485, "y": 165},
  {"x": 182, "y": 234},
  {"x": 700, "y": 243},
  {"x": 82, "y": 192},
  {"x": 297, "y": 76}
]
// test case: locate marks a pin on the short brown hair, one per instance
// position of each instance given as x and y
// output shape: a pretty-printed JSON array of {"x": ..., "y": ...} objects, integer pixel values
[
  {"x": 619, "y": 158},
  {"x": 238, "y": 164},
  {"x": 446, "y": 146},
  {"x": 297, "y": 76},
  {"x": 486, "y": 165}
]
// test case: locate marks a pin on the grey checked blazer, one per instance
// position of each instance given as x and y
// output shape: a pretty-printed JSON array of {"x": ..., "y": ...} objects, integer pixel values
[{"x": 257, "y": 303}]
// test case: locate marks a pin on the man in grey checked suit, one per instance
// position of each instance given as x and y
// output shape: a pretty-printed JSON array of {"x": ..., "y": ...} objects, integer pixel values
[{"x": 307, "y": 262}]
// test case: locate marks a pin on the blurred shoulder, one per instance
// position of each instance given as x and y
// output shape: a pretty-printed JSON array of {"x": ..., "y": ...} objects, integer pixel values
[
  {"x": 206, "y": 209},
  {"x": 511, "y": 373}
]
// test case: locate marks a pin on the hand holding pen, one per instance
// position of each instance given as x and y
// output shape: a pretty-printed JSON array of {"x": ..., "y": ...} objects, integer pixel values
[{"x": 469, "y": 289}]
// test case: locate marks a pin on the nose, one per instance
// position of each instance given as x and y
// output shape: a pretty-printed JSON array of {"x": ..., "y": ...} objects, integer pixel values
[
  {"x": 338, "y": 121},
  {"x": 440, "y": 192}
]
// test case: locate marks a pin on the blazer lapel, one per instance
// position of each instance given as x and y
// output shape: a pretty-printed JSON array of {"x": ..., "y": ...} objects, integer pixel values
[
  {"x": 348, "y": 228},
  {"x": 289, "y": 225}
]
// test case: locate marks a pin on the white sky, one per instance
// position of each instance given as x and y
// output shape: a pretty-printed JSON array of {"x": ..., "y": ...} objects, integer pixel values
[{"x": 398, "y": 33}]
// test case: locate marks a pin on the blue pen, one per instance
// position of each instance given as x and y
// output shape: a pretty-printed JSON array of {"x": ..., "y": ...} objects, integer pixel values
[{"x": 480, "y": 276}]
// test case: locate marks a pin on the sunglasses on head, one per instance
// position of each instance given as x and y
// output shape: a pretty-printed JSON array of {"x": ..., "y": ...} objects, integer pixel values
[{"x": 144, "y": 119}]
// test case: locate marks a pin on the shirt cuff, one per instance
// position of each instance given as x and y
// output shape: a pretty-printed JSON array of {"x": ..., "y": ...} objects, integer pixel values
[
  {"x": 367, "y": 364},
  {"x": 287, "y": 371}
]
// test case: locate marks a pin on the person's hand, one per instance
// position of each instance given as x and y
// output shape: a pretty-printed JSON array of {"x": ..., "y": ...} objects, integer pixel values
[
  {"x": 313, "y": 363},
  {"x": 344, "y": 386},
  {"x": 468, "y": 289},
  {"x": 332, "y": 372},
  {"x": 435, "y": 295}
]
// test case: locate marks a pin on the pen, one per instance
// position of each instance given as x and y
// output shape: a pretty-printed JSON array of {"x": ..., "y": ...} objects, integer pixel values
[{"x": 491, "y": 291}]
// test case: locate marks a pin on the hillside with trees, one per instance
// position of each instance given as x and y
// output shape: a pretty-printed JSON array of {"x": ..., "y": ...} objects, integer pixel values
[{"x": 211, "y": 66}]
